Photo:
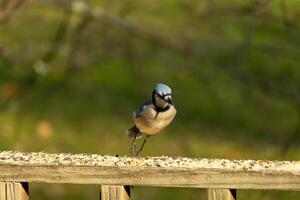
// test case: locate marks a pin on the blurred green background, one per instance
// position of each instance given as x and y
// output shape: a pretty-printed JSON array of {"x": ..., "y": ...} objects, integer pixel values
[{"x": 72, "y": 72}]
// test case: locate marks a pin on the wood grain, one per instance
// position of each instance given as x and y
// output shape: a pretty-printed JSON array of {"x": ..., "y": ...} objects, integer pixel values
[
  {"x": 114, "y": 192},
  {"x": 13, "y": 191},
  {"x": 221, "y": 194},
  {"x": 149, "y": 171}
]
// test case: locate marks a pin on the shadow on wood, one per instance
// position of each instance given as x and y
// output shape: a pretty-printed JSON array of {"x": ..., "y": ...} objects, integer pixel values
[
  {"x": 221, "y": 194},
  {"x": 13, "y": 191},
  {"x": 113, "y": 192}
]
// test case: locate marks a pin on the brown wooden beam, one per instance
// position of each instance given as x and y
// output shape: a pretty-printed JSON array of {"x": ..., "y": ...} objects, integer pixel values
[{"x": 149, "y": 171}]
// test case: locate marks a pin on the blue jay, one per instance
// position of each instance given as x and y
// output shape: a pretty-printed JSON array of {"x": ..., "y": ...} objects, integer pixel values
[{"x": 152, "y": 116}]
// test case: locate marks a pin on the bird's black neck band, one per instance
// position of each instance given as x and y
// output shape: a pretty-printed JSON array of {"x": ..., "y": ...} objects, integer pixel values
[
  {"x": 153, "y": 99},
  {"x": 158, "y": 109}
]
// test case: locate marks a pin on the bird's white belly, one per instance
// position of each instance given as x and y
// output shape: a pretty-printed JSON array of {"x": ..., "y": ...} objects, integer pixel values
[
  {"x": 151, "y": 128},
  {"x": 149, "y": 125}
]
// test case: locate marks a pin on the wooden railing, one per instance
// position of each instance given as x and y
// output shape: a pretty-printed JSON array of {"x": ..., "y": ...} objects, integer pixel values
[{"x": 115, "y": 174}]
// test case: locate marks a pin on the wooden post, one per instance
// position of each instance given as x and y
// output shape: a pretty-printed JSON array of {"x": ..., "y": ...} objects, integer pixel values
[
  {"x": 221, "y": 194},
  {"x": 113, "y": 192},
  {"x": 13, "y": 191}
]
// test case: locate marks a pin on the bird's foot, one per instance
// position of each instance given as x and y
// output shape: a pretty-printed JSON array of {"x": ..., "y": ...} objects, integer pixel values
[{"x": 138, "y": 154}]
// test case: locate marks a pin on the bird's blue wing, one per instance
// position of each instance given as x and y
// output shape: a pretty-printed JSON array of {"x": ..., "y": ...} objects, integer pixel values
[{"x": 142, "y": 108}]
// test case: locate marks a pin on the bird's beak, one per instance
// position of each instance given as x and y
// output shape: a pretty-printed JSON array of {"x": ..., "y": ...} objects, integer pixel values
[{"x": 170, "y": 101}]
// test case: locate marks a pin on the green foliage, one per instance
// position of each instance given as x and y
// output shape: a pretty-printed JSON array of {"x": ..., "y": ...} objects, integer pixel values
[{"x": 70, "y": 82}]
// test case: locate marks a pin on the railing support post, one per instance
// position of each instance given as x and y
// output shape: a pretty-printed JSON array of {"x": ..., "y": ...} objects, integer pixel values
[
  {"x": 13, "y": 191},
  {"x": 113, "y": 192},
  {"x": 221, "y": 194}
]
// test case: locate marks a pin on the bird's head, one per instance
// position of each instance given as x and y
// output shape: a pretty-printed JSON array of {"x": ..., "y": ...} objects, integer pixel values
[{"x": 162, "y": 96}]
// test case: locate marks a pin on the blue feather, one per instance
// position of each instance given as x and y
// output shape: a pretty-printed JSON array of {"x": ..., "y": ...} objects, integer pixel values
[
  {"x": 164, "y": 89},
  {"x": 141, "y": 109}
]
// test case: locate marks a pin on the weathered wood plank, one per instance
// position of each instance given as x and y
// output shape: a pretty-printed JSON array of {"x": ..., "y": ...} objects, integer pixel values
[
  {"x": 149, "y": 171},
  {"x": 221, "y": 194},
  {"x": 114, "y": 192},
  {"x": 13, "y": 191}
]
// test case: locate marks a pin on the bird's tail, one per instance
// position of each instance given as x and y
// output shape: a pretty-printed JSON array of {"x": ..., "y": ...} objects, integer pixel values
[{"x": 134, "y": 131}]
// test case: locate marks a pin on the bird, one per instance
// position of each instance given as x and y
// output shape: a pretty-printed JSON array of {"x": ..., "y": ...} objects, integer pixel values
[{"x": 152, "y": 116}]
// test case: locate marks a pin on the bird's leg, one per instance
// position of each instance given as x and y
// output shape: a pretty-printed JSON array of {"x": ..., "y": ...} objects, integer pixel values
[
  {"x": 133, "y": 145},
  {"x": 138, "y": 153}
]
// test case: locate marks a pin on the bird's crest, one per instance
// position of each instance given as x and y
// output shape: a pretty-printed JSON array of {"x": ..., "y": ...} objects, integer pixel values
[{"x": 162, "y": 89}]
